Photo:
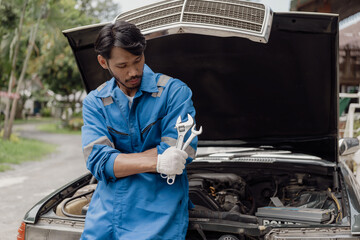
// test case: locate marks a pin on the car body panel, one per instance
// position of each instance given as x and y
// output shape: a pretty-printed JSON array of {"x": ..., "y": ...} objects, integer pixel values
[
  {"x": 353, "y": 190},
  {"x": 53, "y": 199}
]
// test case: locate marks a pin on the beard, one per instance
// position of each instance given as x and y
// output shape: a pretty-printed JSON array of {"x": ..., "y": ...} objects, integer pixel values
[
  {"x": 119, "y": 83},
  {"x": 128, "y": 80}
]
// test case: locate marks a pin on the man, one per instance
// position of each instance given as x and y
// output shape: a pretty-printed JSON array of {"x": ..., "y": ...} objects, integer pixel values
[{"x": 128, "y": 138}]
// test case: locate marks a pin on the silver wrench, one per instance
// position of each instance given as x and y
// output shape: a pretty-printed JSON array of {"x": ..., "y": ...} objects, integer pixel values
[
  {"x": 194, "y": 133},
  {"x": 182, "y": 129}
]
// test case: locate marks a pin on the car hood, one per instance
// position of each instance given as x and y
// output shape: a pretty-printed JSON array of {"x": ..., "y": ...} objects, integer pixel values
[{"x": 282, "y": 93}]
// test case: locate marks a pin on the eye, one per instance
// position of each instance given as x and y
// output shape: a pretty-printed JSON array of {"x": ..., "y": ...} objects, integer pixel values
[{"x": 138, "y": 59}]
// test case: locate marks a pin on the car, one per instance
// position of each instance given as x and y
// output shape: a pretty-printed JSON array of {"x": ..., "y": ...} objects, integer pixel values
[{"x": 270, "y": 164}]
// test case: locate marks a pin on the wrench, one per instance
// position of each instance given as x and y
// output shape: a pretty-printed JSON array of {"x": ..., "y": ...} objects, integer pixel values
[
  {"x": 182, "y": 129},
  {"x": 194, "y": 133}
]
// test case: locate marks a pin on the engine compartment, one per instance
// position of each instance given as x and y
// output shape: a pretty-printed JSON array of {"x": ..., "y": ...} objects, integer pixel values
[
  {"x": 253, "y": 195},
  {"x": 288, "y": 198}
]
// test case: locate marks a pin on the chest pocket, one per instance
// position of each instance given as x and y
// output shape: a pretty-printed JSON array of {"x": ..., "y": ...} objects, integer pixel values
[
  {"x": 117, "y": 130},
  {"x": 154, "y": 127},
  {"x": 122, "y": 140}
]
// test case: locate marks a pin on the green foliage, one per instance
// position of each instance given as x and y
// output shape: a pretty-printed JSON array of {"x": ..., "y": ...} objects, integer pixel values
[
  {"x": 77, "y": 115},
  {"x": 51, "y": 64},
  {"x": 76, "y": 123},
  {"x": 105, "y": 10},
  {"x": 22, "y": 150},
  {"x": 52, "y": 60},
  {"x": 8, "y": 21},
  {"x": 13, "y": 138},
  {"x": 9, "y": 17},
  {"x": 55, "y": 64},
  {"x": 45, "y": 112}
]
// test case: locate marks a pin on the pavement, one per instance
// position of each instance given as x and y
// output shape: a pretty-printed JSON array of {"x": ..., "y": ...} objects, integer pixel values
[{"x": 29, "y": 182}]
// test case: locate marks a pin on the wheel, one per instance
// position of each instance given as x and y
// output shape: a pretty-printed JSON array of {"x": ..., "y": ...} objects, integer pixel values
[{"x": 228, "y": 237}]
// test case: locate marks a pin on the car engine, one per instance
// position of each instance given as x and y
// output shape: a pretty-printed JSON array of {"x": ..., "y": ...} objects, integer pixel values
[
  {"x": 279, "y": 199},
  {"x": 284, "y": 198}
]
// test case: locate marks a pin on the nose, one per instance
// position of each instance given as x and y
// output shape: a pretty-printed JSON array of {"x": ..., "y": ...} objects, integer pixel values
[{"x": 133, "y": 71}]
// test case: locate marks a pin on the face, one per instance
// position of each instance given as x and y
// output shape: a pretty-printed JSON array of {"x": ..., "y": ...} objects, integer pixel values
[{"x": 126, "y": 68}]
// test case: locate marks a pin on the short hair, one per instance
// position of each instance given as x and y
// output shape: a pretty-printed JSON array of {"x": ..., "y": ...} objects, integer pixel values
[{"x": 120, "y": 34}]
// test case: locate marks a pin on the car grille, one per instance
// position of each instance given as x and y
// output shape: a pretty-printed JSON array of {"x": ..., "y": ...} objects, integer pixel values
[
  {"x": 225, "y": 13},
  {"x": 213, "y": 17},
  {"x": 154, "y": 15}
]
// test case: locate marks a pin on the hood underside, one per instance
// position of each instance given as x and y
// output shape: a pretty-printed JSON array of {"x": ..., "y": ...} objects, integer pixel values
[{"x": 282, "y": 93}]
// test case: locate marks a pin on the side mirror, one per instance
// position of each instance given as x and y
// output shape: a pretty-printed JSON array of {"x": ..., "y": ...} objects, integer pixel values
[{"x": 348, "y": 146}]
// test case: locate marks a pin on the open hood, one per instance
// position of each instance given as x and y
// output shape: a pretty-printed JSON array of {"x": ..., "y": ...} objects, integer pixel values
[{"x": 282, "y": 93}]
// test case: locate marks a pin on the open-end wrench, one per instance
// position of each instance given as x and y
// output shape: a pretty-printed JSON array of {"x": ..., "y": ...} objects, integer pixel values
[
  {"x": 194, "y": 133},
  {"x": 182, "y": 129}
]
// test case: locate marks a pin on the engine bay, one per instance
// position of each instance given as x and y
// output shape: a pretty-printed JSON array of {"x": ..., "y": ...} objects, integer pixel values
[
  {"x": 296, "y": 198},
  {"x": 250, "y": 195}
]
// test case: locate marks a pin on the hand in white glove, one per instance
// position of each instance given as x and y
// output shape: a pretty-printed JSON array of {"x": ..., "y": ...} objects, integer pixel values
[{"x": 171, "y": 161}]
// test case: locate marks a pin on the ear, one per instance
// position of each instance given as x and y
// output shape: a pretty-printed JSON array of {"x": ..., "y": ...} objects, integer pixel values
[{"x": 102, "y": 61}]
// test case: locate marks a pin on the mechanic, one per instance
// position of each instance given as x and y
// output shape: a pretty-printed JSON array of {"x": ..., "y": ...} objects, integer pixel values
[{"x": 128, "y": 141}]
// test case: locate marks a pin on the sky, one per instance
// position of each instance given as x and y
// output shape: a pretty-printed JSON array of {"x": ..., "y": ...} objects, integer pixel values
[{"x": 275, "y": 5}]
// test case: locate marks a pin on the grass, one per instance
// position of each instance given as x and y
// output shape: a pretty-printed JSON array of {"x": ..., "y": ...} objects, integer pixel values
[
  {"x": 33, "y": 120},
  {"x": 19, "y": 150},
  {"x": 55, "y": 127},
  {"x": 22, "y": 150}
]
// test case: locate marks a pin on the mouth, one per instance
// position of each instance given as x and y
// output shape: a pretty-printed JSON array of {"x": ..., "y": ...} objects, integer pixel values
[{"x": 134, "y": 81}]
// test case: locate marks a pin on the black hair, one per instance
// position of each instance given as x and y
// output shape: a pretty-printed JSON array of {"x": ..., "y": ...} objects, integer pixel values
[{"x": 120, "y": 34}]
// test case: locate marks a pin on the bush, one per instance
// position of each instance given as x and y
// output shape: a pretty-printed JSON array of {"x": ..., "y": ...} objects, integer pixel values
[
  {"x": 45, "y": 112},
  {"x": 75, "y": 123}
]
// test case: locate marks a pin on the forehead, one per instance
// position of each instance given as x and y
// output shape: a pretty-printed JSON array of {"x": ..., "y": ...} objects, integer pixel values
[{"x": 119, "y": 54}]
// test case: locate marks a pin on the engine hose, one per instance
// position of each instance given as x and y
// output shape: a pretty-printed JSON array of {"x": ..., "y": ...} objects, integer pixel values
[
  {"x": 250, "y": 195},
  {"x": 331, "y": 219},
  {"x": 71, "y": 199},
  {"x": 332, "y": 196},
  {"x": 231, "y": 216}
]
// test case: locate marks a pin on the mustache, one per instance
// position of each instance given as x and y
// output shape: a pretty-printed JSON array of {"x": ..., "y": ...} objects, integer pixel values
[{"x": 134, "y": 77}]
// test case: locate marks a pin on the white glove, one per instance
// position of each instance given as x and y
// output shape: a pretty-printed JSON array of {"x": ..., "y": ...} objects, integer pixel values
[{"x": 171, "y": 161}]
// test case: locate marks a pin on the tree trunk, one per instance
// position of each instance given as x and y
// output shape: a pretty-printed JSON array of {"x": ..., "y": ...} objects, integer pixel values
[
  {"x": 13, "y": 70},
  {"x": 8, "y": 128}
]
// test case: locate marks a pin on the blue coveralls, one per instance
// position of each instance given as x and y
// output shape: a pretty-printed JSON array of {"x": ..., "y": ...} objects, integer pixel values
[{"x": 140, "y": 206}]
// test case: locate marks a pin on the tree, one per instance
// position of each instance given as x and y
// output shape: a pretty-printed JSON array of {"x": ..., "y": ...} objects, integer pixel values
[
  {"x": 8, "y": 20},
  {"x": 9, "y": 117},
  {"x": 104, "y": 10},
  {"x": 56, "y": 64},
  {"x": 32, "y": 44}
]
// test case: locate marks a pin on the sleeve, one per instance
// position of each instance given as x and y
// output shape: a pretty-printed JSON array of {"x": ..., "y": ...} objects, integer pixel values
[
  {"x": 98, "y": 148},
  {"x": 179, "y": 103}
]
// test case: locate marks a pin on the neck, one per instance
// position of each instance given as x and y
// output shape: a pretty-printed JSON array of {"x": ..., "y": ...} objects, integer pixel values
[{"x": 128, "y": 91}]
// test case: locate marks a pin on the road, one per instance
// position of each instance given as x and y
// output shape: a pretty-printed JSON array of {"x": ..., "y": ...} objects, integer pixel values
[{"x": 29, "y": 182}]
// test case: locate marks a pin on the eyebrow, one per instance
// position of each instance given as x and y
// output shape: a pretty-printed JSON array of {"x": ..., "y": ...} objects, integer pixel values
[{"x": 122, "y": 63}]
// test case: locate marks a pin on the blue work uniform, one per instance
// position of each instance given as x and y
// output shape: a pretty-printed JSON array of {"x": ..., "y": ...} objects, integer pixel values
[{"x": 140, "y": 206}]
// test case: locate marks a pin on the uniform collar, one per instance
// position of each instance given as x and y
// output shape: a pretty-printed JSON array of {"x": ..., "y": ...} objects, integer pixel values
[{"x": 148, "y": 84}]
